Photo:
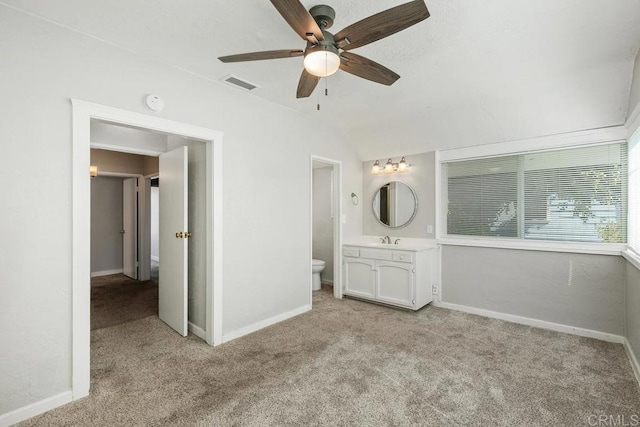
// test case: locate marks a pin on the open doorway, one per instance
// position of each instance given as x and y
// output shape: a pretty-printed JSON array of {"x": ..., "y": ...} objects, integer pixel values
[
  {"x": 326, "y": 226},
  {"x": 84, "y": 116},
  {"x": 120, "y": 291}
]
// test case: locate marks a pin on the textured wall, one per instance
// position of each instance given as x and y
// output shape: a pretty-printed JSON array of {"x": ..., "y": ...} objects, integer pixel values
[
  {"x": 632, "y": 311},
  {"x": 106, "y": 223},
  {"x": 634, "y": 97},
  {"x": 421, "y": 178},
  {"x": 323, "y": 221},
  {"x": 585, "y": 291},
  {"x": 52, "y": 64}
]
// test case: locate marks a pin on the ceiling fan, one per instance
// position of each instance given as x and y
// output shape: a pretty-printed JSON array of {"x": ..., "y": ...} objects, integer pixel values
[{"x": 326, "y": 53}]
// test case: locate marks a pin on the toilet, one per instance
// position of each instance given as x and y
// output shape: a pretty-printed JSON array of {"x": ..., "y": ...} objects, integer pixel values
[{"x": 317, "y": 265}]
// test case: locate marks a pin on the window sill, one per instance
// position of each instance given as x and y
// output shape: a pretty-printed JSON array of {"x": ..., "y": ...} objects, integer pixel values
[
  {"x": 538, "y": 245},
  {"x": 632, "y": 257}
]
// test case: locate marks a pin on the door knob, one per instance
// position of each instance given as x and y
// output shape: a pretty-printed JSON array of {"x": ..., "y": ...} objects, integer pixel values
[
  {"x": 121, "y": 231},
  {"x": 187, "y": 234},
  {"x": 179, "y": 235}
]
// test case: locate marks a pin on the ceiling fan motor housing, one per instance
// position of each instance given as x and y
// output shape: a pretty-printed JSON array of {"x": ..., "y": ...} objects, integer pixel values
[{"x": 323, "y": 15}]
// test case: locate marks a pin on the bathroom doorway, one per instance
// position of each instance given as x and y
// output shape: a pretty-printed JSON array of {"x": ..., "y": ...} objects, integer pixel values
[{"x": 326, "y": 225}]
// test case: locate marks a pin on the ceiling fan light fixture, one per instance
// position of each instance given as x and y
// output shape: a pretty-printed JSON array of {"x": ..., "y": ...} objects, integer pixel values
[{"x": 321, "y": 60}]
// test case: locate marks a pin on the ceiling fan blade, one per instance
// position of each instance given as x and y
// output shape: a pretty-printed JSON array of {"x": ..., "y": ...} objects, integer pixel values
[
  {"x": 383, "y": 24},
  {"x": 367, "y": 69},
  {"x": 258, "y": 56},
  {"x": 307, "y": 84},
  {"x": 298, "y": 18}
]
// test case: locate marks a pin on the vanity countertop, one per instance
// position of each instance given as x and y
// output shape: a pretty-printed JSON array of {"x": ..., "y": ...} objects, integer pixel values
[{"x": 408, "y": 246}]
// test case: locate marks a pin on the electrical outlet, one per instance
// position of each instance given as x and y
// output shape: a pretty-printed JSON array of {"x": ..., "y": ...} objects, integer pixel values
[
  {"x": 434, "y": 289},
  {"x": 429, "y": 228}
]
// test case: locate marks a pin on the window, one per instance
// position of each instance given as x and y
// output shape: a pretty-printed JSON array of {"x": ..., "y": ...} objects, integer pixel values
[
  {"x": 634, "y": 192},
  {"x": 576, "y": 194}
]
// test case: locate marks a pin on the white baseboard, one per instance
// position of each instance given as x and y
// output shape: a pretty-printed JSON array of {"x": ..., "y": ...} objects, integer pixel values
[
  {"x": 197, "y": 331},
  {"x": 37, "y": 408},
  {"x": 263, "y": 324},
  {"x": 619, "y": 339},
  {"x": 155, "y": 258},
  {"x": 327, "y": 282},
  {"x": 632, "y": 358},
  {"x": 105, "y": 273}
]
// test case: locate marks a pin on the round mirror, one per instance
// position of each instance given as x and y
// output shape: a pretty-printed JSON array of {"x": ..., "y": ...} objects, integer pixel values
[{"x": 395, "y": 204}]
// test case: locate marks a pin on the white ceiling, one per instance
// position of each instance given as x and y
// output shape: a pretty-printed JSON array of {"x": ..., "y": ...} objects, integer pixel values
[{"x": 475, "y": 72}]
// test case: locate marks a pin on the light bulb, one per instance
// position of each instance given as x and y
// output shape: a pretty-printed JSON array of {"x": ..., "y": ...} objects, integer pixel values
[
  {"x": 402, "y": 166},
  {"x": 321, "y": 62},
  {"x": 388, "y": 167},
  {"x": 376, "y": 168}
]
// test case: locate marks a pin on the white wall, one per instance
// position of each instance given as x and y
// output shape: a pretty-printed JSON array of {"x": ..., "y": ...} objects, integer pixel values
[
  {"x": 120, "y": 138},
  {"x": 106, "y": 223},
  {"x": 323, "y": 221},
  {"x": 155, "y": 214},
  {"x": 634, "y": 95},
  {"x": 48, "y": 65},
  {"x": 421, "y": 178}
]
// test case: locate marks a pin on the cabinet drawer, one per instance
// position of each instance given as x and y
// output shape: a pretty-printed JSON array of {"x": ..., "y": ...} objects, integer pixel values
[
  {"x": 353, "y": 252},
  {"x": 403, "y": 256},
  {"x": 376, "y": 254}
]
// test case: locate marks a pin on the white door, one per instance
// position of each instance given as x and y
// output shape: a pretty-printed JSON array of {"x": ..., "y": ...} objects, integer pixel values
[
  {"x": 359, "y": 277},
  {"x": 130, "y": 228},
  {"x": 173, "y": 274}
]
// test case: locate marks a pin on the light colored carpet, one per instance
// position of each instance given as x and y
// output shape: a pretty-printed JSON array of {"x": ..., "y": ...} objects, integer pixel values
[{"x": 353, "y": 363}]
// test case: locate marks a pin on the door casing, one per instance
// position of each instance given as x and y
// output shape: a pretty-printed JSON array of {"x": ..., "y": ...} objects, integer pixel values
[{"x": 83, "y": 112}]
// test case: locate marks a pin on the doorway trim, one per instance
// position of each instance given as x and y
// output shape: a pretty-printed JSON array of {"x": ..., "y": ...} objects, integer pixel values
[
  {"x": 336, "y": 166},
  {"x": 83, "y": 112}
]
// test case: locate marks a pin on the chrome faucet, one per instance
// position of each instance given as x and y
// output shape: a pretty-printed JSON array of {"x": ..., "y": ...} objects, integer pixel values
[
  {"x": 386, "y": 239},
  {"x": 396, "y": 242}
]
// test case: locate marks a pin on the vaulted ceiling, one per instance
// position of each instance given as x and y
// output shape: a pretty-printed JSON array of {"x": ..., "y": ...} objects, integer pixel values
[{"x": 475, "y": 72}]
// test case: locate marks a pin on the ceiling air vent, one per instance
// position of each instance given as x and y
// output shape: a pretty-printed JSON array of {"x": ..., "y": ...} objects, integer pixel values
[{"x": 238, "y": 82}]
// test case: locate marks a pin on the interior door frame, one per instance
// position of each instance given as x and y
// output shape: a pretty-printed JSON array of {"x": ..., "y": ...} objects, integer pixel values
[
  {"x": 142, "y": 275},
  {"x": 336, "y": 167},
  {"x": 83, "y": 112}
]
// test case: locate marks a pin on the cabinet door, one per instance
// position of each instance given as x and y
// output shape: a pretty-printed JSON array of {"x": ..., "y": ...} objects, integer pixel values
[
  {"x": 359, "y": 277},
  {"x": 395, "y": 283}
]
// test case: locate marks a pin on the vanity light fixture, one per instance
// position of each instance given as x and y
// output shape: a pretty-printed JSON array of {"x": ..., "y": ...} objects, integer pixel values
[
  {"x": 390, "y": 167},
  {"x": 93, "y": 171},
  {"x": 376, "y": 168}
]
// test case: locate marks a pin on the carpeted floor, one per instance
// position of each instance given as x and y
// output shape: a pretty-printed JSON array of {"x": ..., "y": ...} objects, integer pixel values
[
  {"x": 352, "y": 363},
  {"x": 117, "y": 299}
]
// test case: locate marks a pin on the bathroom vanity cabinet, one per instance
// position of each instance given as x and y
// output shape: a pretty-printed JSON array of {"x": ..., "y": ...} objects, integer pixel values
[{"x": 388, "y": 274}]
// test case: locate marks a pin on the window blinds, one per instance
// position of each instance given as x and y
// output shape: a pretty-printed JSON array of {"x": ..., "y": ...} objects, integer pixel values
[{"x": 576, "y": 194}]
